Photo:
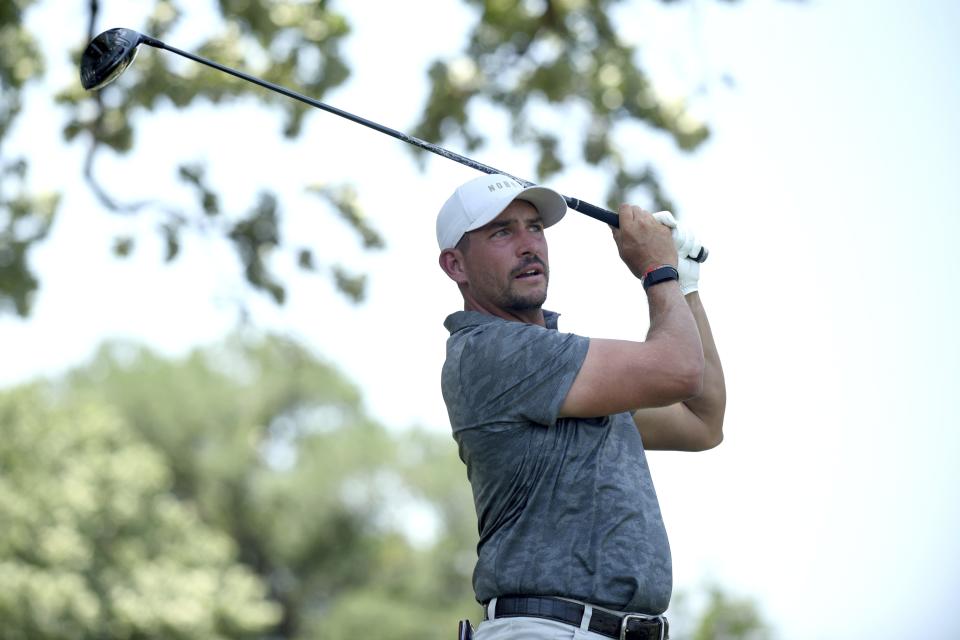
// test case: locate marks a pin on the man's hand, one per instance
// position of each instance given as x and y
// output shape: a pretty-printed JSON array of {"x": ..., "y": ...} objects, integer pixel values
[
  {"x": 643, "y": 241},
  {"x": 687, "y": 246}
]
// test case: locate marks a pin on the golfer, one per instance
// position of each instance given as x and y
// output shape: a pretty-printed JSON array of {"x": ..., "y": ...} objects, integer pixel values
[{"x": 553, "y": 426}]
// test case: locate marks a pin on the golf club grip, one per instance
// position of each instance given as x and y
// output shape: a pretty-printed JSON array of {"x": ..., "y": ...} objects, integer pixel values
[
  {"x": 612, "y": 219},
  {"x": 595, "y": 212}
]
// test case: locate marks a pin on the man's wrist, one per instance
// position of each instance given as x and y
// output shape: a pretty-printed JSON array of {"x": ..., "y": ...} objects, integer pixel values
[{"x": 656, "y": 275}]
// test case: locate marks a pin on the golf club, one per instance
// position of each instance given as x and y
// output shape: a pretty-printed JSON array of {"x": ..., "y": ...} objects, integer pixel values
[{"x": 111, "y": 52}]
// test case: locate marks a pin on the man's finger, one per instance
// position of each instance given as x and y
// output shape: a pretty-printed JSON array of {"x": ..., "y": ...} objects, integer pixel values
[
  {"x": 684, "y": 241},
  {"x": 666, "y": 218}
]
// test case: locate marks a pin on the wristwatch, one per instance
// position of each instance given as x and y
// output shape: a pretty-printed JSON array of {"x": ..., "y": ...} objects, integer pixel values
[{"x": 660, "y": 274}]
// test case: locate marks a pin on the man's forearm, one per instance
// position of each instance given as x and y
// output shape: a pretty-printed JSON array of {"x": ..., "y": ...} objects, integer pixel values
[
  {"x": 711, "y": 403},
  {"x": 673, "y": 325}
]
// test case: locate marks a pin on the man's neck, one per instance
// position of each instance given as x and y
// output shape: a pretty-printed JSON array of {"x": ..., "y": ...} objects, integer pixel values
[{"x": 528, "y": 316}]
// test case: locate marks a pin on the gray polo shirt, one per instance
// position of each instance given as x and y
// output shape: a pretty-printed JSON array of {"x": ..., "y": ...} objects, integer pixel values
[{"x": 566, "y": 506}]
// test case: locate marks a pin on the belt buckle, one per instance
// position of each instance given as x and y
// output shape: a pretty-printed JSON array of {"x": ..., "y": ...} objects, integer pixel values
[{"x": 626, "y": 619}]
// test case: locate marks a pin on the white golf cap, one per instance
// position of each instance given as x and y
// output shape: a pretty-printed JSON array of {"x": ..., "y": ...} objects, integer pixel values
[{"x": 481, "y": 200}]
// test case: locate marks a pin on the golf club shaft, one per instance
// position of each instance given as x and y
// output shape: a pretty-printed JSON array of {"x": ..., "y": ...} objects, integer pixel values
[
  {"x": 596, "y": 212},
  {"x": 585, "y": 208}
]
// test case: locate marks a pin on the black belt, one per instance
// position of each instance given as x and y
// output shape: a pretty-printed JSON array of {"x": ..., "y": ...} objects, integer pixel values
[{"x": 625, "y": 627}]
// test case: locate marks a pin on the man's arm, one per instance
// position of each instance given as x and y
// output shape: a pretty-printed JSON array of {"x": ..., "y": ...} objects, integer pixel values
[
  {"x": 621, "y": 375},
  {"x": 695, "y": 424}
]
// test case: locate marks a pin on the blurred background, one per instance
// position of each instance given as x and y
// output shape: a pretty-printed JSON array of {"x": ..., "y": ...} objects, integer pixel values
[{"x": 221, "y": 315}]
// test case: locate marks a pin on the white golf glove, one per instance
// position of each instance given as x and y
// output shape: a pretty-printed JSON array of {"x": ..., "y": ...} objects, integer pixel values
[{"x": 687, "y": 246}]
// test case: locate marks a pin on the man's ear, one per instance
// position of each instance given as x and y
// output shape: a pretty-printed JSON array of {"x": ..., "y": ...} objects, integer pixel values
[{"x": 451, "y": 261}]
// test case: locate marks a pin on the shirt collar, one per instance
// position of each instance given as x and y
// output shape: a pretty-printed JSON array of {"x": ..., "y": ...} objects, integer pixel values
[{"x": 460, "y": 320}]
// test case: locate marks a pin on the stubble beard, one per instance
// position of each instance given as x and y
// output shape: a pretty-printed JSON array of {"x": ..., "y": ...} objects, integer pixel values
[{"x": 515, "y": 301}]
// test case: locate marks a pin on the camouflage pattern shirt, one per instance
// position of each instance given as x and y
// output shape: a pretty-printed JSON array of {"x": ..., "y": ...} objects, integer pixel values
[{"x": 565, "y": 506}]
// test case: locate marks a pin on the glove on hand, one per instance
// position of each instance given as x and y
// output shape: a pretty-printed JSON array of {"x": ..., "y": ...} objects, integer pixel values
[{"x": 687, "y": 246}]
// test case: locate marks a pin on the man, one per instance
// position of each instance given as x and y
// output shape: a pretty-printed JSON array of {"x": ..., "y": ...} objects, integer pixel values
[{"x": 553, "y": 426}]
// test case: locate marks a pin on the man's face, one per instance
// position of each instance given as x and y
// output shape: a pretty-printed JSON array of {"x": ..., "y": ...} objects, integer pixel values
[{"x": 506, "y": 261}]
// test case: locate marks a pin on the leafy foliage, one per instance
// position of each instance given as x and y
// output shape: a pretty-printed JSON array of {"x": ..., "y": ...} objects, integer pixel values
[
  {"x": 288, "y": 42},
  {"x": 94, "y": 545},
  {"x": 730, "y": 618},
  {"x": 240, "y": 491},
  {"x": 523, "y": 57},
  {"x": 25, "y": 217},
  {"x": 711, "y": 612},
  {"x": 274, "y": 449}
]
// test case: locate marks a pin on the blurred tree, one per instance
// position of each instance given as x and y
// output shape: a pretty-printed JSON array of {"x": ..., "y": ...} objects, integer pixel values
[
  {"x": 274, "y": 448},
  {"x": 712, "y": 612},
  {"x": 521, "y": 58},
  {"x": 730, "y": 618},
  {"x": 287, "y": 42},
  {"x": 93, "y": 544},
  {"x": 239, "y": 491},
  {"x": 524, "y": 57},
  {"x": 25, "y": 217}
]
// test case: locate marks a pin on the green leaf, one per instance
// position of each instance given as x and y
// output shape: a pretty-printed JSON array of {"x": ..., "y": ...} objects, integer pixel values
[{"x": 123, "y": 246}]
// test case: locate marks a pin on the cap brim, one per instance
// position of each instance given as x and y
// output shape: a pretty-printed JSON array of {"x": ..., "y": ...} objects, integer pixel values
[{"x": 549, "y": 204}]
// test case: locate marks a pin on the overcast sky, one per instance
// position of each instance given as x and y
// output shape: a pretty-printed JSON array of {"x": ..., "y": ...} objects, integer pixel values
[{"x": 828, "y": 195}]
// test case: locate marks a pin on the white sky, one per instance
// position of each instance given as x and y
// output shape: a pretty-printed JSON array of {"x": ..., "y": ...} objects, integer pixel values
[{"x": 828, "y": 195}]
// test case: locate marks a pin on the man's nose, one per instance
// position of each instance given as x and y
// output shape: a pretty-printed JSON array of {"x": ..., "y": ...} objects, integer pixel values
[{"x": 528, "y": 243}]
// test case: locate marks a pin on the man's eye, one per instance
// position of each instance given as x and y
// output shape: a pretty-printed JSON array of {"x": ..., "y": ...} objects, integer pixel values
[{"x": 500, "y": 232}]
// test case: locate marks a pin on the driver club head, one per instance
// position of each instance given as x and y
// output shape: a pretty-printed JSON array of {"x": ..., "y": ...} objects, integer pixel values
[{"x": 107, "y": 56}]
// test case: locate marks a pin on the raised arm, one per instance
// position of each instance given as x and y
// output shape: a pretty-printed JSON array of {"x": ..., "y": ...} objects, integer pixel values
[
  {"x": 667, "y": 368},
  {"x": 695, "y": 424}
]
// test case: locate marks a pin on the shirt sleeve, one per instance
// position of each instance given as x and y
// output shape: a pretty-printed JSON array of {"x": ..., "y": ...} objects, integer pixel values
[{"x": 516, "y": 372}]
